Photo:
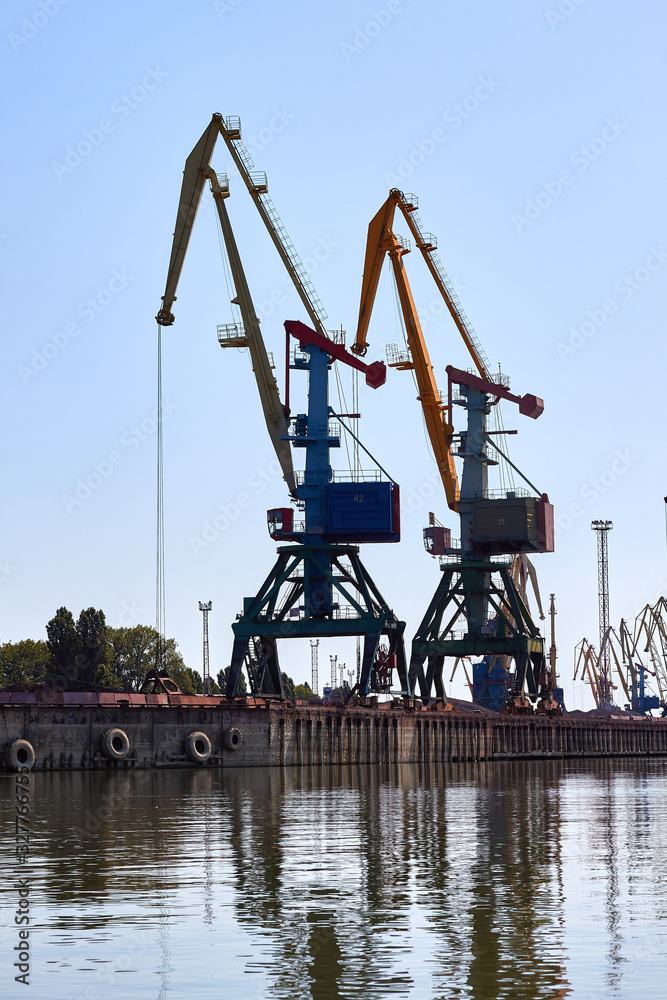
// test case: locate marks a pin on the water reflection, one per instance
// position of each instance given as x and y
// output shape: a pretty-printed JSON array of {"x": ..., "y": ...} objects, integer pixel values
[
  {"x": 480, "y": 881},
  {"x": 404, "y": 880}
]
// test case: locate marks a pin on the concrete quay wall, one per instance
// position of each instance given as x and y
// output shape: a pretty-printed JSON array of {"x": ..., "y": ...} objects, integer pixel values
[{"x": 71, "y": 736}]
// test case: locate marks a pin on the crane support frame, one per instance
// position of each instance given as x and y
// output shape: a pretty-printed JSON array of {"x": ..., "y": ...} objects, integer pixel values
[
  {"x": 298, "y": 584},
  {"x": 513, "y": 633}
]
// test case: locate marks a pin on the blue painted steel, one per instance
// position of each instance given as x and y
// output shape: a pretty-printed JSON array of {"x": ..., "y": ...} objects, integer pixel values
[
  {"x": 644, "y": 702},
  {"x": 358, "y": 511},
  {"x": 302, "y": 595},
  {"x": 314, "y": 491},
  {"x": 559, "y": 698},
  {"x": 362, "y": 512},
  {"x": 491, "y": 683}
]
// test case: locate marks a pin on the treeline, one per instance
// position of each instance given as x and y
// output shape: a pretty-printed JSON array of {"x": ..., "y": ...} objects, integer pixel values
[{"x": 90, "y": 653}]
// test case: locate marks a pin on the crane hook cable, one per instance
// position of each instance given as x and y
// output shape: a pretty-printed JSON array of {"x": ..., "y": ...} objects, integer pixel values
[
  {"x": 361, "y": 445},
  {"x": 490, "y": 441},
  {"x": 159, "y": 568}
]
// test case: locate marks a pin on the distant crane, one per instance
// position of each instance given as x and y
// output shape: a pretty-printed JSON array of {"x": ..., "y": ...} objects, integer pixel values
[
  {"x": 557, "y": 692},
  {"x": 633, "y": 657},
  {"x": 650, "y": 636}
]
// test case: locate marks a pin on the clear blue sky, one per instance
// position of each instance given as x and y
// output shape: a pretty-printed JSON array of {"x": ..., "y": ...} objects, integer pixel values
[{"x": 532, "y": 133}]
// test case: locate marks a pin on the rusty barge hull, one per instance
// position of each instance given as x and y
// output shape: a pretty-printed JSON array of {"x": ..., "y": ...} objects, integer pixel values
[{"x": 70, "y": 733}]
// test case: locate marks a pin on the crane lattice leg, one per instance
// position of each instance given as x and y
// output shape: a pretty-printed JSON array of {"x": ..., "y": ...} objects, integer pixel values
[{"x": 313, "y": 591}]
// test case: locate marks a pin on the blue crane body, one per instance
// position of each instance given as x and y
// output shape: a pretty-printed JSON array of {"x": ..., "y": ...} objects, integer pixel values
[{"x": 319, "y": 586}]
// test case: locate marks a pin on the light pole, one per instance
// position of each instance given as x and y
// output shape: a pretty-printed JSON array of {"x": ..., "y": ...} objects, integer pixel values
[
  {"x": 205, "y": 607},
  {"x": 602, "y": 528}
]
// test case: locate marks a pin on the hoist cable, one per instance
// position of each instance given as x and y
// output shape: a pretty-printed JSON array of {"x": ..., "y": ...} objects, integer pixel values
[{"x": 160, "y": 601}]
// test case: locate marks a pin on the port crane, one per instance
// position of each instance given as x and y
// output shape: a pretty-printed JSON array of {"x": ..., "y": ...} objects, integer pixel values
[
  {"x": 475, "y": 586},
  {"x": 587, "y": 669},
  {"x": 649, "y": 636},
  {"x": 631, "y": 657},
  {"x": 318, "y": 586}
]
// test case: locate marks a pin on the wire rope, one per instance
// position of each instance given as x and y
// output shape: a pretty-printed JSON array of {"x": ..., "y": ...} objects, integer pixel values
[
  {"x": 234, "y": 310},
  {"x": 160, "y": 598},
  {"x": 342, "y": 408}
]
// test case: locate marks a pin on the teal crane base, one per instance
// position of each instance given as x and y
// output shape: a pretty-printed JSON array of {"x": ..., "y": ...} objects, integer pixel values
[
  {"x": 508, "y": 631},
  {"x": 313, "y": 591}
]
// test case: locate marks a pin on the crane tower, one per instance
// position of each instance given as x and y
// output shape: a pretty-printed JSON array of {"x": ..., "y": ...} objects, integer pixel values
[
  {"x": 602, "y": 529},
  {"x": 205, "y": 607},
  {"x": 314, "y": 665}
]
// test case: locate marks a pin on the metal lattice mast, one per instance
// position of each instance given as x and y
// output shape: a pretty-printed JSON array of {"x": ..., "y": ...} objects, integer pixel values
[
  {"x": 314, "y": 665},
  {"x": 604, "y": 666},
  {"x": 205, "y": 607},
  {"x": 334, "y": 671}
]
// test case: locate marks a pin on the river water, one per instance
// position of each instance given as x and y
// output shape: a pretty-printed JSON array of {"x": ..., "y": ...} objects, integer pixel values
[{"x": 487, "y": 881}]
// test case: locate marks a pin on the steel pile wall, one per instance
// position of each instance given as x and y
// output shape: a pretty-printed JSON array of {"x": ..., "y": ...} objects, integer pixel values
[{"x": 67, "y": 737}]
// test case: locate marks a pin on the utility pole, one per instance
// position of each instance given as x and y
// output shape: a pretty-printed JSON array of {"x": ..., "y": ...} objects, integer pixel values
[
  {"x": 314, "y": 665},
  {"x": 552, "y": 649},
  {"x": 205, "y": 607},
  {"x": 602, "y": 528},
  {"x": 334, "y": 672}
]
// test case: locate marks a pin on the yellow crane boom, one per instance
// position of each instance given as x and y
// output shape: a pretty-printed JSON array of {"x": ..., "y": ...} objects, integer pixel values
[
  {"x": 382, "y": 240},
  {"x": 427, "y": 245},
  {"x": 197, "y": 171}
]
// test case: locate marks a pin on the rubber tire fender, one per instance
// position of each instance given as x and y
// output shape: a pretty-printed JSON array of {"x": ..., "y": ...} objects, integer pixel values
[
  {"x": 198, "y": 747},
  {"x": 115, "y": 744},
  {"x": 233, "y": 738},
  {"x": 20, "y": 753}
]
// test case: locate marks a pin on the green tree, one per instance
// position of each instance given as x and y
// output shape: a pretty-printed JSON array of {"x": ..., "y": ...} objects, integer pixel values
[
  {"x": 132, "y": 654},
  {"x": 24, "y": 662},
  {"x": 303, "y": 691},
  {"x": 63, "y": 642},
  {"x": 172, "y": 662},
  {"x": 288, "y": 685},
  {"x": 241, "y": 688},
  {"x": 188, "y": 680},
  {"x": 94, "y": 660},
  {"x": 134, "y": 651}
]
